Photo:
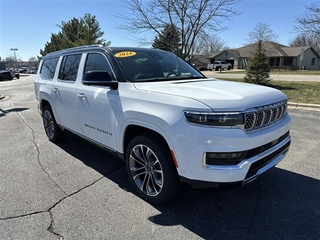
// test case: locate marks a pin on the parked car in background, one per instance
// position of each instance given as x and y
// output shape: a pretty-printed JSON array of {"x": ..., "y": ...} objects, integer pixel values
[
  {"x": 32, "y": 70},
  {"x": 217, "y": 65},
  {"x": 23, "y": 70},
  {"x": 5, "y": 75},
  {"x": 15, "y": 74},
  {"x": 8, "y": 75}
]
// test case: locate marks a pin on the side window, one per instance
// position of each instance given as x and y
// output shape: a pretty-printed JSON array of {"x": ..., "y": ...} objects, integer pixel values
[
  {"x": 97, "y": 68},
  {"x": 69, "y": 67},
  {"x": 48, "y": 68}
]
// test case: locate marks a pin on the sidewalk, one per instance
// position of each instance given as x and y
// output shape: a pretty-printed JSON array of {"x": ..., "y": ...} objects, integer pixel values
[{"x": 273, "y": 76}]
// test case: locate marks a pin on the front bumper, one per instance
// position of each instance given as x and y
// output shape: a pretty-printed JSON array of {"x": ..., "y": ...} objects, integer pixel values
[
  {"x": 263, "y": 149},
  {"x": 259, "y": 164}
]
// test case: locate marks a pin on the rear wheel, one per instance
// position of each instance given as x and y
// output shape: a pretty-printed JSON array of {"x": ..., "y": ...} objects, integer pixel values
[
  {"x": 53, "y": 131},
  {"x": 151, "y": 169}
]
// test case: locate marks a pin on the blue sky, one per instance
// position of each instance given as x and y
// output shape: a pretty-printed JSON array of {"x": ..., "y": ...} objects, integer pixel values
[{"x": 27, "y": 25}]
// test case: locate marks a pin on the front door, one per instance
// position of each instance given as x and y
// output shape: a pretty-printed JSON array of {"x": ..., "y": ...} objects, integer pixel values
[{"x": 96, "y": 105}]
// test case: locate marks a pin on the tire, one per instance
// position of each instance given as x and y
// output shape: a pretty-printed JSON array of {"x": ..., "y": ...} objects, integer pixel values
[
  {"x": 217, "y": 68},
  {"x": 151, "y": 169},
  {"x": 53, "y": 131},
  {"x": 229, "y": 67},
  {"x": 18, "y": 76}
]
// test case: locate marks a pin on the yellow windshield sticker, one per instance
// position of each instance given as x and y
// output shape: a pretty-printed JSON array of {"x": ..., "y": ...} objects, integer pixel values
[{"x": 125, "y": 54}]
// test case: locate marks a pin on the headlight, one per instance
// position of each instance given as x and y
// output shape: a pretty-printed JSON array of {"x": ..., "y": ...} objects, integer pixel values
[{"x": 215, "y": 119}]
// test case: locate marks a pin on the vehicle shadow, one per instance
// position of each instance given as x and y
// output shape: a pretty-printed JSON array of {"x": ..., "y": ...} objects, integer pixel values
[
  {"x": 5, "y": 112},
  {"x": 278, "y": 205}
]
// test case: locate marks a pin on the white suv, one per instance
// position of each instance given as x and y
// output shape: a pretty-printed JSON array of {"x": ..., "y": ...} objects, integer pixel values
[{"x": 172, "y": 125}]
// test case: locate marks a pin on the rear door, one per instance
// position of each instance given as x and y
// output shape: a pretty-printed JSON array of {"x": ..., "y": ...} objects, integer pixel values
[
  {"x": 96, "y": 105},
  {"x": 65, "y": 92}
]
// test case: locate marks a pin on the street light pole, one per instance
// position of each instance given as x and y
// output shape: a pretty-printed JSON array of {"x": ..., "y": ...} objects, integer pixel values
[{"x": 15, "y": 57}]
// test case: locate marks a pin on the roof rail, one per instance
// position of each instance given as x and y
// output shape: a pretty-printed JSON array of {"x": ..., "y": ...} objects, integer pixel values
[{"x": 75, "y": 48}]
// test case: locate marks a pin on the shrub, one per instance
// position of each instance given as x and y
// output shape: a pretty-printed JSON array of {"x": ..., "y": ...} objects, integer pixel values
[{"x": 258, "y": 67}]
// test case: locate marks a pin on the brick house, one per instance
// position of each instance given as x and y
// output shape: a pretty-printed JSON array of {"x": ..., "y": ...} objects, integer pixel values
[{"x": 279, "y": 56}]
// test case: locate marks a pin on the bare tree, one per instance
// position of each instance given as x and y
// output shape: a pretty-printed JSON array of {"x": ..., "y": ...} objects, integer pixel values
[
  {"x": 306, "y": 39},
  {"x": 34, "y": 62},
  {"x": 191, "y": 17},
  {"x": 309, "y": 21},
  {"x": 10, "y": 62},
  {"x": 211, "y": 44},
  {"x": 261, "y": 32}
]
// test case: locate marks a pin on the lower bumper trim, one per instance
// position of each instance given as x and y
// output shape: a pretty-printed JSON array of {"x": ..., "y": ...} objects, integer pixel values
[{"x": 197, "y": 184}]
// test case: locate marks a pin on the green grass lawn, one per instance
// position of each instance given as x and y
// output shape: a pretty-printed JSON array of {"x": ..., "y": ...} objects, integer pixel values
[{"x": 299, "y": 92}]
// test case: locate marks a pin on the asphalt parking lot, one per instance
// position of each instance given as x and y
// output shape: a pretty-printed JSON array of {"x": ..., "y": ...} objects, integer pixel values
[{"x": 74, "y": 190}]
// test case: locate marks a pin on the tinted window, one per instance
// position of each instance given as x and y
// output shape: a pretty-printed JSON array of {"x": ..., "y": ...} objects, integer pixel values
[
  {"x": 69, "y": 67},
  {"x": 98, "y": 63},
  {"x": 48, "y": 68},
  {"x": 152, "y": 65}
]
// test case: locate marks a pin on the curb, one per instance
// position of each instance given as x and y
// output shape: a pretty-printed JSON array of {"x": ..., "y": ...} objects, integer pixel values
[{"x": 303, "y": 105}]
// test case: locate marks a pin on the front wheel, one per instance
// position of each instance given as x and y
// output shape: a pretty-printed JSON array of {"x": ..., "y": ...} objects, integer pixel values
[
  {"x": 151, "y": 169},
  {"x": 53, "y": 131}
]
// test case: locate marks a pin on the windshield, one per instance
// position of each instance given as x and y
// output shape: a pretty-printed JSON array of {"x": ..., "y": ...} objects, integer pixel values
[{"x": 153, "y": 65}]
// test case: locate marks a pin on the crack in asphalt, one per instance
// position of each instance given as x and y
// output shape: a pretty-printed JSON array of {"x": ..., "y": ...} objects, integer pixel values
[
  {"x": 50, "y": 228},
  {"x": 37, "y": 149}
]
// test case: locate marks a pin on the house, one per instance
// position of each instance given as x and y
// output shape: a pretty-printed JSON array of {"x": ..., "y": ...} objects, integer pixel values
[
  {"x": 279, "y": 56},
  {"x": 199, "y": 61}
]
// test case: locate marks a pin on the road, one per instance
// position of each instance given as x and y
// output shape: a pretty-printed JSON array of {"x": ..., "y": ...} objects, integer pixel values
[
  {"x": 74, "y": 190},
  {"x": 273, "y": 76}
]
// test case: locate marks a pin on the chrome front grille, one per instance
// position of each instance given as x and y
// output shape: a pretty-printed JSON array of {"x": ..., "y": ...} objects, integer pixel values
[{"x": 264, "y": 116}]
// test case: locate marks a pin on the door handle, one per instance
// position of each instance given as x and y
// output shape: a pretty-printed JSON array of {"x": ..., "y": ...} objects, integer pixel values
[
  {"x": 55, "y": 89},
  {"x": 81, "y": 95}
]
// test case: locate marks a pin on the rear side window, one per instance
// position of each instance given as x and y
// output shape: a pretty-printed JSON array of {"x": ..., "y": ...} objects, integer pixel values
[
  {"x": 48, "y": 68},
  {"x": 69, "y": 67}
]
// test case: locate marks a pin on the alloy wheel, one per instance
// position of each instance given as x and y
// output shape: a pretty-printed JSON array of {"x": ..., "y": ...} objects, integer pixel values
[
  {"x": 146, "y": 170},
  {"x": 48, "y": 124}
]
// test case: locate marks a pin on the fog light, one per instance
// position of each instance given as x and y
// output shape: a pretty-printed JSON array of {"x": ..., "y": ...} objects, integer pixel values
[
  {"x": 225, "y": 155},
  {"x": 226, "y": 158}
]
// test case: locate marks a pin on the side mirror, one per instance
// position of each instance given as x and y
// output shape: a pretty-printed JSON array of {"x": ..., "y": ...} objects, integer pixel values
[{"x": 99, "y": 78}]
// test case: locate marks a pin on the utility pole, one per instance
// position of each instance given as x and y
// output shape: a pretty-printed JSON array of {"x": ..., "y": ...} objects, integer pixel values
[
  {"x": 301, "y": 57},
  {"x": 15, "y": 57}
]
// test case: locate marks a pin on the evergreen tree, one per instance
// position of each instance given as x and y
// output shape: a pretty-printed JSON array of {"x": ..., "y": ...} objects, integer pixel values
[
  {"x": 169, "y": 40},
  {"x": 258, "y": 67},
  {"x": 76, "y": 32}
]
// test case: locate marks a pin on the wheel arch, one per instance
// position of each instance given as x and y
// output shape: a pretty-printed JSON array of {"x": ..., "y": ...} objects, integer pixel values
[
  {"x": 43, "y": 104},
  {"x": 135, "y": 130}
]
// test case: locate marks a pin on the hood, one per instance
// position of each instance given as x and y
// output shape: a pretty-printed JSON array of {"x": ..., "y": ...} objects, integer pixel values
[{"x": 217, "y": 94}]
